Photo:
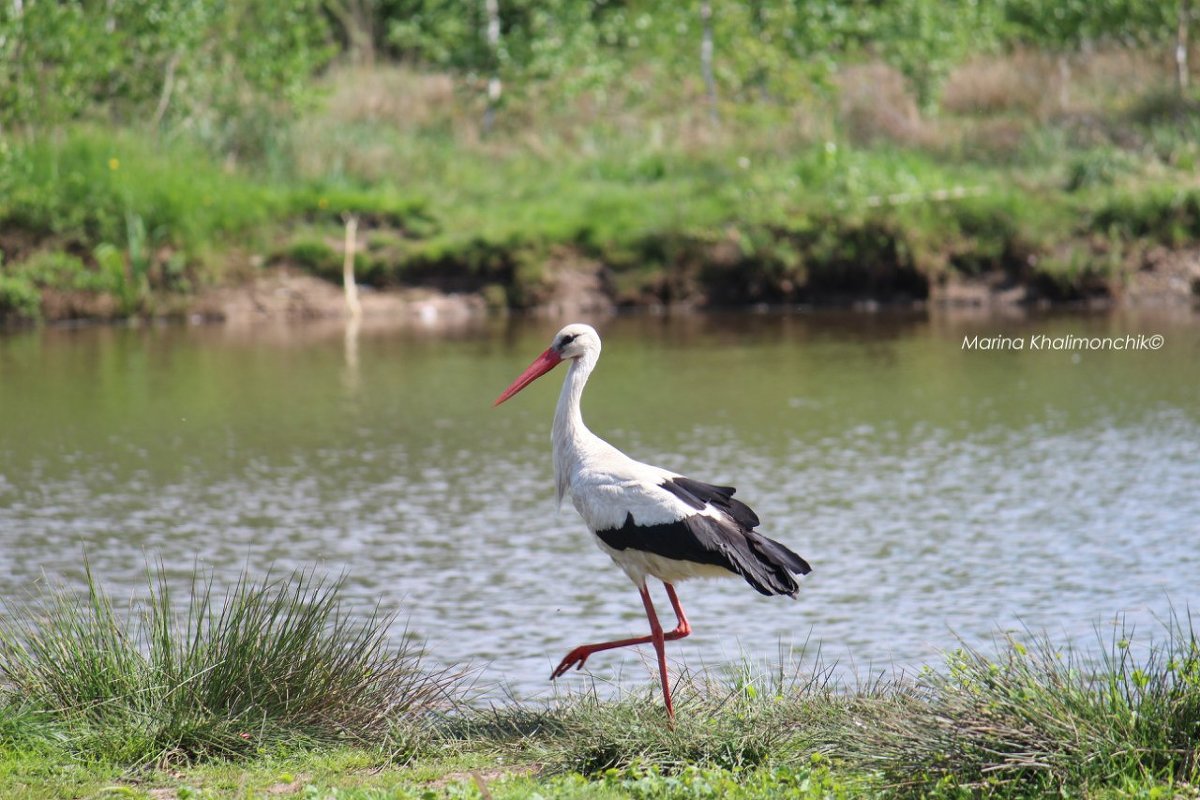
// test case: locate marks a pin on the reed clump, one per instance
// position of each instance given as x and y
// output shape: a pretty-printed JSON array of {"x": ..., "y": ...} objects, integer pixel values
[
  {"x": 279, "y": 659},
  {"x": 1041, "y": 716}
]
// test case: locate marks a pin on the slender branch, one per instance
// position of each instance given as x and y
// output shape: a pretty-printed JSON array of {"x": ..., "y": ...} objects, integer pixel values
[
  {"x": 348, "y": 283},
  {"x": 1181, "y": 45},
  {"x": 706, "y": 59},
  {"x": 494, "y": 86},
  {"x": 164, "y": 99}
]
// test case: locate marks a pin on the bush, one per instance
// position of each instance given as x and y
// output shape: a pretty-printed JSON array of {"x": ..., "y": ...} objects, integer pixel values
[
  {"x": 59, "y": 270},
  {"x": 19, "y": 297},
  {"x": 1168, "y": 215},
  {"x": 315, "y": 256},
  {"x": 1097, "y": 168}
]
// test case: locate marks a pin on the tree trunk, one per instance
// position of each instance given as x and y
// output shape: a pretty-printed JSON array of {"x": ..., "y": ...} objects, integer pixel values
[
  {"x": 357, "y": 18},
  {"x": 706, "y": 59},
  {"x": 494, "y": 86},
  {"x": 1181, "y": 45},
  {"x": 761, "y": 77},
  {"x": 1064, "y": 81}
]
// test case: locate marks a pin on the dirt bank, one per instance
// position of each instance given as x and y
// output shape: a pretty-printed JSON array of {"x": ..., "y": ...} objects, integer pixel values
[
  {"x": 576, "y": 286},
  {"x": 570, "y": 284}
]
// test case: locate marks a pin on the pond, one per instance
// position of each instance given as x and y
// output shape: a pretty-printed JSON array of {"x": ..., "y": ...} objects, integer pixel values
[{"x": 940, "y": 491}]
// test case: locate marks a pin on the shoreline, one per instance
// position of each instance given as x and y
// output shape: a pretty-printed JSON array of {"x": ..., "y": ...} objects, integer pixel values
[{"x": 289, "y": 294}]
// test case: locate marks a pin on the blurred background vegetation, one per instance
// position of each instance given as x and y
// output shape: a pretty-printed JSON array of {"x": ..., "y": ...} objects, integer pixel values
[{"x": 732, "y": 152}]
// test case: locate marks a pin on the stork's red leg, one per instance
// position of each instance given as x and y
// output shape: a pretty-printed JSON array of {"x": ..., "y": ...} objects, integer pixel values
[
  {"x": 657, "y": 637},
  {"x": 580, "y": 654},
  {"x": 660, "y": 648},
  {"x": 682, "y": 628}
]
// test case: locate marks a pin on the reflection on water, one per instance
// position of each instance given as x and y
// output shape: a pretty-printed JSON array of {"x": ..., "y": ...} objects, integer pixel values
[{"x": 936, "y": 491}]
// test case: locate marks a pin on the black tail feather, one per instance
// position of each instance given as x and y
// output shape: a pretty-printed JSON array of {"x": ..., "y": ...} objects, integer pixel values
[{"x": 776, "y": 563}]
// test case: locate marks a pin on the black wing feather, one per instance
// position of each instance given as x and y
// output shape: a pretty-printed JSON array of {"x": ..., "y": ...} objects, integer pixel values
[
  {"x": 697, "y": 494},
  {"x": 730, "y": 543}
]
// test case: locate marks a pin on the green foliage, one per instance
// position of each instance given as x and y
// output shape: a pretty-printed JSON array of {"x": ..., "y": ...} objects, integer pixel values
[
  {"x": 769, "y": 48},
  {"x": 230, "y": 72},
  {"x": 924, "y": 39},
  {"x": 129, "y": 286},
  {"x": 59, "y": 270},
  {"x": 22, "y": 282},
  {"x": 19, "y": 297},
  {"x": 1100, "y": 167},
  {"x": 314, "y": 255},
  {"x": 779, "y": 49},
  {"x": 51, "y": 57},
  {"x": 1031, "y": 719},
  {"x": 380, "y": 205},
  {"x": 599, "y": 152},
  {"x": 82, "y": 186},
  {"x": 703, "y": 783},
  {"x": 23, "y": 727},
  {"x": 1164, "y": 214},
  {"x": 215, "y": 65},
  {"x": 1069, "y": 23}
]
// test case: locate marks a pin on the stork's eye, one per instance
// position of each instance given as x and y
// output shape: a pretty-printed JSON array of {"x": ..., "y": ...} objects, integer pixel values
[{"x": 566, "y": 340}]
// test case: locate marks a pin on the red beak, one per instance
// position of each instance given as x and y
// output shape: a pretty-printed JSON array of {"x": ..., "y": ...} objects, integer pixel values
[{"x": 540, "y": 366}]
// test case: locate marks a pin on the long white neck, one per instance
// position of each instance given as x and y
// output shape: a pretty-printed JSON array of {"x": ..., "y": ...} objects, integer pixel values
[{"x": 570, "y": 437}]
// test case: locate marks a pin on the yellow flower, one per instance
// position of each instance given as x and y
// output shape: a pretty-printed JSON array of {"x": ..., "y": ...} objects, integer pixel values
[
  {"x": 114, "y": 164},
  {"x": 323, "y": 202}
]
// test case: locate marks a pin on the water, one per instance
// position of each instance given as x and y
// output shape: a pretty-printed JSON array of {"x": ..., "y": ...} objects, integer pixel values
[{"x": 937, "y": 492}]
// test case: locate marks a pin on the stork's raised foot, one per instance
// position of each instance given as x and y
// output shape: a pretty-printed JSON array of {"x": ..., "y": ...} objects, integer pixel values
[
  {"x": 579, "y": 655},
  {"x": 575, "y": 658}
]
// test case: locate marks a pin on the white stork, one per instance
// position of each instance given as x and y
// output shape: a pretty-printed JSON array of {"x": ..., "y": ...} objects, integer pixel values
[{"x": 651, "y": 521}]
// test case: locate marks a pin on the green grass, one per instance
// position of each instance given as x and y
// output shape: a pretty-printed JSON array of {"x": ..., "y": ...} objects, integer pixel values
[
  {"x": 275, "y": 688},
  {"x": 80, "y": 185},
  {"x": 1044, "y": 718},
  {"x": 216, "y": 675}
]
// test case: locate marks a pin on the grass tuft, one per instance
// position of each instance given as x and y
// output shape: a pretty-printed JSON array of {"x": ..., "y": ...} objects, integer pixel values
[
  {"x": 1041, "y": 717},
  {"x": 741, "y": 720},
  {"x": 278, "y": 660}
]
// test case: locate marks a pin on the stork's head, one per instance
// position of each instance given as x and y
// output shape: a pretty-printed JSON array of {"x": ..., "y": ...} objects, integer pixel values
[{"x": 572, "y": 342}]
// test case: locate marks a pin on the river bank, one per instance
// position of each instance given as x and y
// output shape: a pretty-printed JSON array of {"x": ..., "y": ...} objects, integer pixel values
[
  {"x": 716, "y": 271},
  {"x": 1000, "y": 199}
]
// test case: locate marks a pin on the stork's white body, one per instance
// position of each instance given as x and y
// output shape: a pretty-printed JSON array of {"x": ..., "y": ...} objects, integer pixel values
[{"x": 606, "y": 486}]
